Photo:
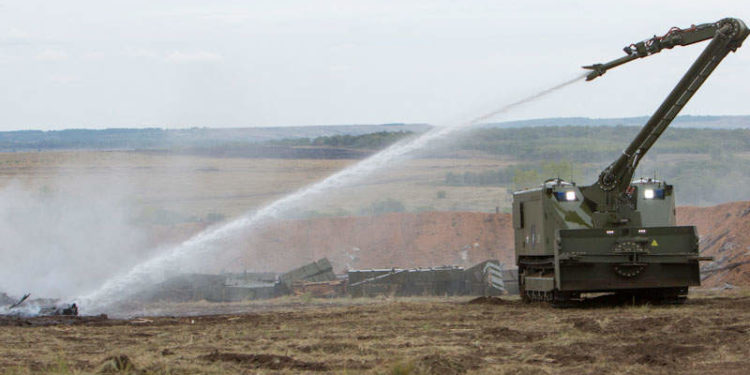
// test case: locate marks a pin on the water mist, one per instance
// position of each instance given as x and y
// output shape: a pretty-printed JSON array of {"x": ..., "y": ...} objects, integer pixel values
[{"x": 192, "y": 251}]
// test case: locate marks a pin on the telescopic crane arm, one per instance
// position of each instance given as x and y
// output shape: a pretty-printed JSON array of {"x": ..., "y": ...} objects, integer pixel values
[
  {"x": 726, "y": 36},
  {"x": 648, "y": 47}
]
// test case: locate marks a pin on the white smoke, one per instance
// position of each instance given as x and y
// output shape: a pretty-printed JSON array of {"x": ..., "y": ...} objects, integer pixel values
[{"x": 64, "y": 237}]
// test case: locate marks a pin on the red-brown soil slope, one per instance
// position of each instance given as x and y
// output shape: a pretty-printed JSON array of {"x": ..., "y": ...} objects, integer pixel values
[
  {"x": 391, "y": 240},
  {"x": 458, "y": 238},
  {"x": 724, "y": 234}
]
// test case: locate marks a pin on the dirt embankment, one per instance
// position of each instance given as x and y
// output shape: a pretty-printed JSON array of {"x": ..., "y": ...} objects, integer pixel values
[
  {"x": 386, "y": 241},
  {"x": 462, "y": 238},
  {"x": 724, "y": 234}
]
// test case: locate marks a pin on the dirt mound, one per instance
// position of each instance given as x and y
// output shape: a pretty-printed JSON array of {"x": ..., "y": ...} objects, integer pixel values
[
  {"x": 267, "y": 361},
  {"x": 585, "y": 324},
  {"x": 487, "y": 301}
]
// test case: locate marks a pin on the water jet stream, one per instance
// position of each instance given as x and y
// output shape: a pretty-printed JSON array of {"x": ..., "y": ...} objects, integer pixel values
[{"x": 204, "y": 243}]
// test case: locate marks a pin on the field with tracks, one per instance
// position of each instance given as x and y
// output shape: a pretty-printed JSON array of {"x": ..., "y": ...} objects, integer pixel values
[{"x": 708, "y": 335}]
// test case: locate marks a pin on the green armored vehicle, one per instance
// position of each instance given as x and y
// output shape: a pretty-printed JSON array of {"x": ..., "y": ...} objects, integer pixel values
[{"x": 619, "y": 235}]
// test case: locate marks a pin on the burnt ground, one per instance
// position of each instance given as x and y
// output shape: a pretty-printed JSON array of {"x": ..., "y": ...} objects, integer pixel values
[{"x": 710, "y": 334}]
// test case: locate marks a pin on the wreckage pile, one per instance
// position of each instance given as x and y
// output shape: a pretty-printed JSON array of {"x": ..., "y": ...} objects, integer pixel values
[
  {"x": 484, "y": 279},
  {"x": 317, "y": 279},
  {"x": 24, "y": 307}
]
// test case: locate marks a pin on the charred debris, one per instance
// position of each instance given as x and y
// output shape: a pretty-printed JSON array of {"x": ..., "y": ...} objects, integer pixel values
[{"x": 23, "y": 307}]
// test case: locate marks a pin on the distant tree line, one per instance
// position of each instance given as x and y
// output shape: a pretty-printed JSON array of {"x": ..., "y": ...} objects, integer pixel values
[
  {"x": 82, "y": 139},
  {"x": 371, "y": 141},
  {"x": 575, "y": 143},
  {"x": 196, "y": 140},
  {"x": 705, "y": 182},
  {"x": 517, "y": 176},
  {"x": 590, "y": 143}
]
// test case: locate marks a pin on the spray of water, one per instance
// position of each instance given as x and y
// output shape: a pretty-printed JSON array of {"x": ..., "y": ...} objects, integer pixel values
[{"x": 207, "y": 242}]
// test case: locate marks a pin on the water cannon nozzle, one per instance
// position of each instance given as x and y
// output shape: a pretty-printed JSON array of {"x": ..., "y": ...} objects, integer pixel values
[{"x": 596, "y": 71}]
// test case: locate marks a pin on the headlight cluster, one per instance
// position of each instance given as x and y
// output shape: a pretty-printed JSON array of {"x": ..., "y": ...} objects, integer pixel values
[
  {"x": 653, "y": 193},
  {"x": 566, "y": 196},
  {"x": 648, "y": 193}
]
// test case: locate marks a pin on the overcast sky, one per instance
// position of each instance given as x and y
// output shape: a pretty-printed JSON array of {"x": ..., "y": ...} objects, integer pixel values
[{"x": 138, "y": 63}]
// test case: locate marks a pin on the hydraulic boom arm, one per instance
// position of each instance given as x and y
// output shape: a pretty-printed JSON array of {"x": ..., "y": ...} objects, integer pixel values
[{"x": 726, "y": 35}]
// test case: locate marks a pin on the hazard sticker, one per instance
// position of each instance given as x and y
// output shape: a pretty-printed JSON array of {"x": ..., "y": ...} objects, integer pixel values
[{"x": 654, "y": 243}]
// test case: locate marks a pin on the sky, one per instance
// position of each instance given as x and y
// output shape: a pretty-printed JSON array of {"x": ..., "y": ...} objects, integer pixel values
[{"x": 221, "y": 63}]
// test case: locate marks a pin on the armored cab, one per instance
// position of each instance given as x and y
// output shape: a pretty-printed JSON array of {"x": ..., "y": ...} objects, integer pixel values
[{"x": 619, "y": 235}]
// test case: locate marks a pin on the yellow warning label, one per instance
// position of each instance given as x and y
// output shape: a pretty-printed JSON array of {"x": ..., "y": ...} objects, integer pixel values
[{"x": 654, "y": 243}]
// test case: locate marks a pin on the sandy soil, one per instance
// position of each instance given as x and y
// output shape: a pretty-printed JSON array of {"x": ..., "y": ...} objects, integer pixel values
[{"x": 708, "y": 335}]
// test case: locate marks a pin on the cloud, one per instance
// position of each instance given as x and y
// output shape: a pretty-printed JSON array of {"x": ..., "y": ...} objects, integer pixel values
[
  {"x": 14, "y": 33},
  {"x": 95, "y": 55},
  {"x": 175, "y": 56},
  {"x": 228, "y": 17},
  {"x": 141, "y": 53},
  {"x": 52, "y": 54},
  {"x": 195, "y": 56},
  {"x": 65, "y": 79},
  {"x": 14, "y": 36}
]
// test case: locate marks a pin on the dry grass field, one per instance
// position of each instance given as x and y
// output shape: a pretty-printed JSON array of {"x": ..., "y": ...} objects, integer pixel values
[
  {"x": 194, "y": 186},
  {"x": 188, "y": 185},
  {"x": 708, "y": 335}
]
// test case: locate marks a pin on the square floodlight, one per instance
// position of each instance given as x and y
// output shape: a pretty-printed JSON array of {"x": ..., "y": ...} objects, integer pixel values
[
  {"x": 648, "y": 193},
  {"x": 570, "y": 195}
]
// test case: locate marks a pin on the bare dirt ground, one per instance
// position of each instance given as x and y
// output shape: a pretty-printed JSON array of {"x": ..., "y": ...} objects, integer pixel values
[{"x": 708, "y": 335}]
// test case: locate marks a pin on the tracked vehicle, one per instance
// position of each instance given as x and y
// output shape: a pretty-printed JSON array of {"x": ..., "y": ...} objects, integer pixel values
[{"x": 619, "y": 235}]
